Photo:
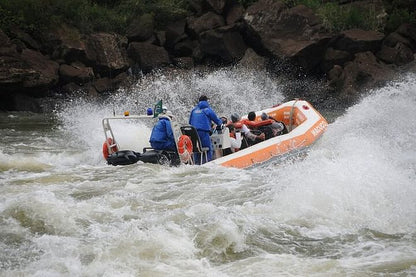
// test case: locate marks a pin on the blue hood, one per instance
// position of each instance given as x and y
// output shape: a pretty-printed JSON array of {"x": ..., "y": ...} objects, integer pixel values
[{"x": 203, "y": 104}]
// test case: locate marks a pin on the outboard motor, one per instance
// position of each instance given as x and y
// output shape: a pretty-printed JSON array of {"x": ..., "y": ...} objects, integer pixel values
[
  {"x": 160, "y": 157},
  {"x": 123, "y": 157}
]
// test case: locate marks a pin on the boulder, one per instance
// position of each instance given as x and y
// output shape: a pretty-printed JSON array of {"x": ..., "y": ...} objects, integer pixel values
[
  {"x": 148, "y": 56},
  {"x": 184, "y": 62},
  {"x": 400, "y": 54},
  {"x": 75, "y": 73},
  {"x": 362, "y": 73},
  {"x": 103, "y": 85},
  {"x": 28, "y": 71},
  {"x": 203, "y": 23},
  {"x": 408, "y": 30},
  {"x": 160, "y": 38},
  {"x": 223, "y": 45},
  {"x": 357, "y": 40},
  {"x": 252, "y": 60},
  {"x": 216, "y": 5},
  {"x": 141, "y": 29},
  {"x": 392, "y": 39},
  {"x": 6, "y": 47},
  {"x": 59, "y": 39},
  {"x": 71, "y": 47},
  {"x": 288, "y": 34},
  {"x": 334, "y": 57},
  {"x": 174, "y": 33},
  {"x": 106, "y": 53},
  {"x": 234, "y": 12},
  {"x": 29, "y": 42},
  {"x": 184, "y": 48},
  {"x": 201, "y": 6}
]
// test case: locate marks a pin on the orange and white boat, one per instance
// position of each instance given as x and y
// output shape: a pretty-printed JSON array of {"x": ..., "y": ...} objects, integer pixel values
[{"x": 305, "y": 125}]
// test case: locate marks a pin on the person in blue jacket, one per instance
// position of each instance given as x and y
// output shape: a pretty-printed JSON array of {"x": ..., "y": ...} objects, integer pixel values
[
  {"x": 201, "y": 117},
  {"x": 162, "y": 135}
]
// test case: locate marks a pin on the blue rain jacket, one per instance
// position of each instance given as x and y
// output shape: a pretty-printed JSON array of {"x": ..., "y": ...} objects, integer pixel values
[
  {"x": 162, "y": 135},
  {"x": 202, "y": 115}
]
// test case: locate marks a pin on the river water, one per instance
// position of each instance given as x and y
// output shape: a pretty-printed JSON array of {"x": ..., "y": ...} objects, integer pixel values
[{"x": 346, "y": 207}]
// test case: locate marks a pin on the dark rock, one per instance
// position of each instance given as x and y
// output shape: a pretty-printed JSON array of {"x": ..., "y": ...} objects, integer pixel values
[
  {"x": 234, "y": 12},
  {"x": 224, "y": 45},
  {"x": 334, "y": 76},
  {"x": 122, "y": 79},
  {"x": 72, "y": 89},
  {"x": 106, "y": 53},
  {"x": 160, "y": 38},
  {"x": 77, "y": 73},
  {"x": 253, "y": 61},
  {"x": 216, "y": 5},
  {"x": 103, "y": 85},
  {"x": 334, "y": 57},
  {"x": 184, "y": 48},
  {"x": 148, "y": 56},
  {"x": 205, "y": 22},
  {"x": 6, "y": 47},
  {"x": 362, "y": 73},
  {"x": 174, "y": 33},
  {"x": 19, "y": 45},
  {"x": 409, "y": 31},
  {"x": 17, "y": 33},
  {"x": 141, "y": 29},
  {"x": 197, "y": 6},
  {"x": 21, "y": 102},
  {"x": 45, "y": 71},
  {"x": 26, "y": 71},
  {"x": 392, "y": 39},
  {"x": 398, "y": 55},
  {"x": 357, "y": 40},
  {"x": 184, "y": 62},
  {"x": 295, "y": 34},
  {"x": 59, "y": 39}
]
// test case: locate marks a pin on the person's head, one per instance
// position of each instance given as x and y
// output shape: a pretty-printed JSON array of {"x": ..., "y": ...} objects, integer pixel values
[
  {"x": 170, "y": 114},
  {"x": 149, "y": 111},
  {"x": 224, "y": 120},
  {"x": 235, "y": 117},
  {"x": 264, "y": 116},
  {"x": 251, "y": 116},
  {"x": 203, "y": 98},
  {"x": 164, "y": 109}
]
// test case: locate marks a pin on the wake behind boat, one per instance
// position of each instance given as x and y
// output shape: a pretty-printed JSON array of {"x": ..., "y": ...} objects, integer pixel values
[{"x": 304, "y": 126}]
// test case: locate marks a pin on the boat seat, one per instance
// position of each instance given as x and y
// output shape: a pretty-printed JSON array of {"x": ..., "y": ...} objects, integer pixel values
[{"x": 192, "y": 133}]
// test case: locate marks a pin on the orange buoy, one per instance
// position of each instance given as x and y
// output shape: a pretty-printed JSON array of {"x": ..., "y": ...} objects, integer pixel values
[
  {"x": 106, "y": 151},
  {"x": 185, "y": 148}
]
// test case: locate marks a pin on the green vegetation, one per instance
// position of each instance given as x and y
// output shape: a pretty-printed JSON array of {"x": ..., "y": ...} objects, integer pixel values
[
  {"x": 86, "y": 15},
  {"x": 338, "y": 17},
  {"x": 115, "y": 15},
  {"x": 400, "y": 11}
]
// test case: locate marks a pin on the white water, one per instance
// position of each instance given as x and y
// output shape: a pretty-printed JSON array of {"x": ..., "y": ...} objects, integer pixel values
[{"x": 346, "y": 208}]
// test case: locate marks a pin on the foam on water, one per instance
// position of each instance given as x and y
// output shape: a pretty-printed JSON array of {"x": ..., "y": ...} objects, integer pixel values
[
  {"x": 362, "y": 173},
  {"x": 345, "y": 207}
]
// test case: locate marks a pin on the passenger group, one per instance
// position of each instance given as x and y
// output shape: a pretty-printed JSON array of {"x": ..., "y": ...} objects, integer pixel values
[{"x": 243, "y": 133}]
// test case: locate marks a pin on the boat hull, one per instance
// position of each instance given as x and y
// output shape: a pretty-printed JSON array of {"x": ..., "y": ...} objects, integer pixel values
[{"x": 306, "y": 126}]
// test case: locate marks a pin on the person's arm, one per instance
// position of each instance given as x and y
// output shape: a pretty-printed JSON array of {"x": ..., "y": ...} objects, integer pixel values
[
  {"x": 250, "y": 135},
  {"x": 213, "y": 116},
  {"x": 190, "y": 116},
  {"x": 169, "y": 131}
]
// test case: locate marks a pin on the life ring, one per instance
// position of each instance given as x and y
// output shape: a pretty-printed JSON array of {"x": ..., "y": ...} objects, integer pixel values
[
  {"x": 185, "y": 148},
  {"x": 106, "y": 151}
]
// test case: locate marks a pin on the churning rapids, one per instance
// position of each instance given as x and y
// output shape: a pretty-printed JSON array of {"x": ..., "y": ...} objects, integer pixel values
[{"x": 346, "y": 207}]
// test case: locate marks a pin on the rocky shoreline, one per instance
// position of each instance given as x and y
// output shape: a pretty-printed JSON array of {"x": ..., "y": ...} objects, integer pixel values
[{"x": 266, "y": 35}]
